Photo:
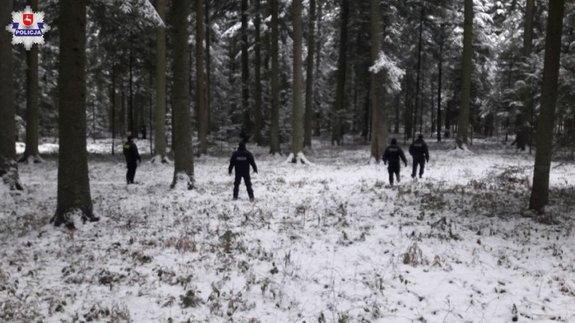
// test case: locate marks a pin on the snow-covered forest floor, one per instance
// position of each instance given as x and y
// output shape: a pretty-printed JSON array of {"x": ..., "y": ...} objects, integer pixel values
[{"x": 329, "y": 242}]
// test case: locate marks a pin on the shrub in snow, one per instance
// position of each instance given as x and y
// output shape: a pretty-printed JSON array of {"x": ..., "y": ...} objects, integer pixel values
[
  {"x": 414, "y": 256},
  {"x": 190, "y": 299}
]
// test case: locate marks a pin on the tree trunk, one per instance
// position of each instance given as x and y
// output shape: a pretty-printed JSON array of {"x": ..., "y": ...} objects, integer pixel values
[
  {"x": 378, "y": 125},
  {"x": 258, "y": 78},
  {"x": 208, "y": 65},
  {"x": 160, "y": 109},
  {"x": 31, "y": 154},
  {"x": 246, "y": 126},
  {"x": 201, "y": 79},
  {"x": 540, "y": 190},
  {"x": 8, "y": 166},
  {"x": 317, "y": 114},
  {"x": 338, "y": 112},
  {"x": 418, "y": 82},
  {"x": 131, "y": 120},
  {"x": 431, "y": 104},
  {"x": 408, "y": 114},
  {"x": 275, "y": 122},
  {"x": 297, "y": 84},
  {"x": 529, "y": 111},
  {"x": 73, "y": 180},
  {"x": 439, "y": 80},
  {"x": 396, "y": 102},
  {"x": 309, "y": 90},
  {"x": 113, "y": 99},
  {"x": 528, "y": 27},
  {"x": 463, "y": 122},
  {"x": 182, "y": 141}
]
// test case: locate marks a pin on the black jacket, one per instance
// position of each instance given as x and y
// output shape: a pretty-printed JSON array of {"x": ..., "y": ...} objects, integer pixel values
[
  {"x": 418, "y": 150},
  {"x": 131, "y": 152},
  {"x": 241, "y": 160},
  {"x": 392, "y": 155}
]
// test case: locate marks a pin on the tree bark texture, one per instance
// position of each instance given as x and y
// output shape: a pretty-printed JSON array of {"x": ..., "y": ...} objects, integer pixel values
[
  {"x": 463, "y": 122},
  {"x": 418, "y": 78},
  {"x": 297, "y": 83},
  {"x": 201, "y": 79},
  {"x": 540, "y": 189},
  {"x": 160, "y": 110},
  {"x": 31, "y": 154},
  {"x": 378, "y": 116},
  {"x": 246, "y": 127},
  {"x": 183, "y": 152},
  {"x": 275, "y": 122},
  {"x": 527, "y": 115},
  {"x": 8, "y": 166},
  {"x": 309, "y": 91},
  {"x": 439, "y": 81},
  {"x": 258, "y": 118},
  {"x": 73, "y": 180},
  {"x": 339, "y": 107}
]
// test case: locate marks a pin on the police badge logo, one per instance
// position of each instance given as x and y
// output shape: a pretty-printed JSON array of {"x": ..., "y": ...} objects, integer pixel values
[{"x": 27, "y": 28}]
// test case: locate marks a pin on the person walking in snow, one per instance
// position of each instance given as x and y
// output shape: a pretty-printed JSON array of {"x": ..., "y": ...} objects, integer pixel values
[
  {"x": 391, "y": 157},
  {"x": 419, "y": 154},
  {"x": 132, "y": 158},
  {"x": 241, "y": 160}
]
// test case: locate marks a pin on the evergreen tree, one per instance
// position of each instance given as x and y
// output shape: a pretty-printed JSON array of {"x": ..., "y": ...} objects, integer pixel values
[
  {"x": 467, "y": 59},
  {"x": 297, "y": 85},
  {"x": 378, "y": 113},
  {"x": 183, "y": 153},
  {"x": 540, "y": 190},
  {"x": 246, "y": 121},
  {"x": 201, "y": 79},
  {"x": 31, "y": 153},
  {"x": 309, "y": 84},
  {"x": 160, "y": 107},
  {"x": 73, "y": 181},
  {"x": 8, "y": 166},
  {"x": 339, "y": 107},
  {"x": 258, "y": 118},
  {"x": 275, "y": 91}
]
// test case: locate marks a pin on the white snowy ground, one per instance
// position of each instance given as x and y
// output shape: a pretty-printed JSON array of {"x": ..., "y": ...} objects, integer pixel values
[{"x": 322, "y": 243}]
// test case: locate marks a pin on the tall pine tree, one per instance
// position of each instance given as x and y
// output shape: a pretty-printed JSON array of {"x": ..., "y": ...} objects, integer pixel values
[
  {"x": 183, "y": 153},
  {"x": 73, "y": 181},
  {"x": 540, "y": 190},
  {"x": 467, "y": 61},
  {"x": 8, "y": 166}
]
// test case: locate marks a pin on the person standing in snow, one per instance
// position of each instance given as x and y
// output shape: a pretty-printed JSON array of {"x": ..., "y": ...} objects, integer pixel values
[
  {"x": 419, "y": 154},
  {"x": 132, "y": 158},
  {"x": 392, "y": 155},
  {"x": 241, "y": 161}
]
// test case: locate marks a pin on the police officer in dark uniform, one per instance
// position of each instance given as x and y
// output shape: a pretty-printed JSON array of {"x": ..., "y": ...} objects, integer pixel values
[
  {"x": 132, "y": 158},
  {"x": 420, "y": 154},
  {"x": 241, "y": 161},
  {"x": 393, "y": 153}
]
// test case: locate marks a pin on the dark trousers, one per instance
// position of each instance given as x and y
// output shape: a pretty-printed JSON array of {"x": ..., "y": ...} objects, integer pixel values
[
  {"x": 247, "y": 181},
  {"x": 393, "y": 169},
  {"x": 421, "y": 163},
  {"x": 131, "y": 173}
]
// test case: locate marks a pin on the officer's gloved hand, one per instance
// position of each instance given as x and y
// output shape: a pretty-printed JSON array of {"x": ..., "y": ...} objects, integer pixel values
[
  {"x": 427, "y": 159},
  {"x": 405, "y": 164},
  {"x": 385, "y": 162}
]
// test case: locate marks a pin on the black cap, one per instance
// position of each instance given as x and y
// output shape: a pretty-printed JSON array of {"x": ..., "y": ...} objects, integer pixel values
[
  {"x": 130, "y": 137},
  {"x": 420, "y": 136},
  {"x": 393, "y": 141},
  {"x": 242, "y": 145}
]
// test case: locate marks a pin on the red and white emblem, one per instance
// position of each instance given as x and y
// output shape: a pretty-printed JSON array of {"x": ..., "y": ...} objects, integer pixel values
[{"x": 28, "y": 19}]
